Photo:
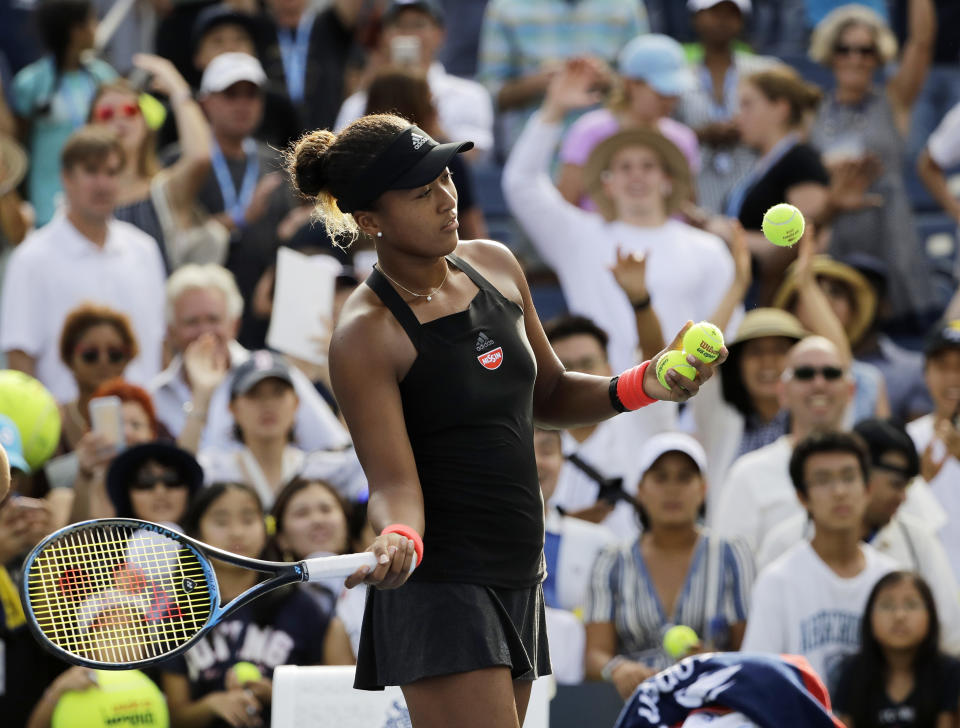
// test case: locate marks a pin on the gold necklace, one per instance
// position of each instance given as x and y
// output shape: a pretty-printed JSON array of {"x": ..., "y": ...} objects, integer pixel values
[{"x": 428, "y": 296}]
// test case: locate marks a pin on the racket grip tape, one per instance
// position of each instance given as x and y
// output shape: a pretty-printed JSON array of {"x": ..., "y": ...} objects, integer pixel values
[
  {"x": 403, "y": 530},
  {"x": 326, "y": 567}
]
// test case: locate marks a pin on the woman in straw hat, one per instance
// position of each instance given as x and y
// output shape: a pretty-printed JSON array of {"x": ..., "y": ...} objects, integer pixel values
[
  {"x": 638, "y": 180},
  {"x": 653, "y": 75}
]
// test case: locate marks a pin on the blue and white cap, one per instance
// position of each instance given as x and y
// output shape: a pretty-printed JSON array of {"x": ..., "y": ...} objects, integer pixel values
[
  {"x": 10, "y": 439},
  {"x": 659, "y": 61}
]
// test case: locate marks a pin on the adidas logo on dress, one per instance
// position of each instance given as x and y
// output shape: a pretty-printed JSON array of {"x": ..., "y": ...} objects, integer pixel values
[{"x": 484, "y": 342}]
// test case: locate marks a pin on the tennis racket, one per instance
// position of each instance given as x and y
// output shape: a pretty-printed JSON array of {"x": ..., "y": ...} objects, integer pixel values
[{"x": 118, "y": 593}]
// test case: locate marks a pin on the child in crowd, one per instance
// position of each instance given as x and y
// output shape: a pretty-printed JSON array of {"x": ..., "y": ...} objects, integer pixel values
[{"x": 899, "y": 678}]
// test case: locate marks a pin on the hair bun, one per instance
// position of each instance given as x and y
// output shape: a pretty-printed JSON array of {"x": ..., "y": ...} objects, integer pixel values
[{"x": 307, "y": 162}]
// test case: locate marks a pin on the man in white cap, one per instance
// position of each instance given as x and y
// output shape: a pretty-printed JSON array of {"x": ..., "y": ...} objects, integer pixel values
[{"x": 246, "y": 187}]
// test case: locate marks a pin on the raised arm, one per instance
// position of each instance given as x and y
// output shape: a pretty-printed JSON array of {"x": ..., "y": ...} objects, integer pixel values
[
  {"x": 555, "y": 226},
  {"x": 365, "y": 372},
  {"x": 915, "y": 60},
  {"x": 193, "y": 132}
]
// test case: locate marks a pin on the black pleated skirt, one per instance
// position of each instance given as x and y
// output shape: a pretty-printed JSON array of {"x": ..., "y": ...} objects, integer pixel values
[{"x": 427, "y": 629}]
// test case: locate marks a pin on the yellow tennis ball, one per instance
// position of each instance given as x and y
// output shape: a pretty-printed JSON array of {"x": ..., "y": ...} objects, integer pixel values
[
  {"x": 679, "y": 640},
  {"x": 704, "y": 341},
  {"x": 246, "y": 672},
  {"x": 121, "y": 697},
  {"x": 674, "y": 360},
  {"x": 34, "y": 411},
  {"x": 783, "y": 225},
  {"x": 154, "y": 113}
]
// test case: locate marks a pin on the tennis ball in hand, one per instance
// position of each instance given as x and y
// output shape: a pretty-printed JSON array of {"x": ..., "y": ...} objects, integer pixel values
[
  {"x": 704, "y": 341},
  {"x": 674, "y": 360},
  {"x": 783, "y": 225},
  {"x": 679, "y": 640},
  {"x": 246, "y": 672}
]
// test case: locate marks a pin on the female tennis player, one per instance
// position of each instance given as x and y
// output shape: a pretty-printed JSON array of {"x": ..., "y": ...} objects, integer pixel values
[{"x": 441, "y": 368}]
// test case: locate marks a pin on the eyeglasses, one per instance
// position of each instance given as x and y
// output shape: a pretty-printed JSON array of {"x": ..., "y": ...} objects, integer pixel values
[
  {"x": 909, "y": 605},
  {"x": 808, "y": 374},
  {"x": 149, "y": 482},
  {"x": 126, "y": 111},
  {"x": 94, "y": 355},
  {"x": 841, "y": 49}
]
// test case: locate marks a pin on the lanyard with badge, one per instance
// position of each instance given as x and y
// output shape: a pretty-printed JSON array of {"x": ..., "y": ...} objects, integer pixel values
[
  {"x": 235, "y": 204},
  {"x": 293, "y": 54}
]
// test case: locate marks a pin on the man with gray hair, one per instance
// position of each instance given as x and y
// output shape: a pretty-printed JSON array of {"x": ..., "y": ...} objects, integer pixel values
[
  {"x": 816, "y": 389},
  {"x": 191, "y": 395}
]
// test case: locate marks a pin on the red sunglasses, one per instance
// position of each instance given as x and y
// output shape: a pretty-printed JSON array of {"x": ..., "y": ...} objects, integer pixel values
[{"x": 105, "y": 113}]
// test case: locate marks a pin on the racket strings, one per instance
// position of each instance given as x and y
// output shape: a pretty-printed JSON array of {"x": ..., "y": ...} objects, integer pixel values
[{"x": 118, "y": 594}]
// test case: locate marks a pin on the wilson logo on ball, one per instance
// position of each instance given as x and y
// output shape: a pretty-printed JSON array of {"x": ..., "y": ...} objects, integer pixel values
[{"x": 492, "y": 359}]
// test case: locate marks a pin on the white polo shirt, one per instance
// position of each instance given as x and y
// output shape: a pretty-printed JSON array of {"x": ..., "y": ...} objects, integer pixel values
[
  {"x": 944, "y": 144},
  {"x": 464, "y": 108},
  {"x": 56, "y": 269}
]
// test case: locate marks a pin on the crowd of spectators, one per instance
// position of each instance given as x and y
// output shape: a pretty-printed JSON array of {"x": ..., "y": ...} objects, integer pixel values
[{"x": 804, "y": 502}]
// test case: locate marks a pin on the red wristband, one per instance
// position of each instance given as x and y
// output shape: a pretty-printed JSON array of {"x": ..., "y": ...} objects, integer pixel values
[
  {"x": 403, "y": 530},
  {"x": 630, "y": 388}
]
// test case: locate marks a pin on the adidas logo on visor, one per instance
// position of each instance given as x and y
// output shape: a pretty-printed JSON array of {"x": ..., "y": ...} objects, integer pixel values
[{"x": 418, "y": 141}]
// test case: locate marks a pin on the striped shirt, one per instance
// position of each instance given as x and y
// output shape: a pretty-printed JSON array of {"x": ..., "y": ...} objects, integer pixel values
[
  {"x": 518, "y": 38},
  {"x": 622, "y": 592},
  {"x": 721, "y": 168}
]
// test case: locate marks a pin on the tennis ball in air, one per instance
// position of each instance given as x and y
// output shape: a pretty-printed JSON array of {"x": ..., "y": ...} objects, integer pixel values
[
  {"x": 674, "y": 360},
  {"x": 246, "y": 672},
  {"x": 783, "y": 225},
  {"x": 704, "y": 341},
  {"x": 679, "y": 640},
  {"x": 34, "y": 411}
]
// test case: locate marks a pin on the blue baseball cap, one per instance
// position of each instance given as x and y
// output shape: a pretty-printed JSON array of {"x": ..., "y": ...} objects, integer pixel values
[
  {"x": 657, "y": 60},
  {"x": 10, "y": 439}
]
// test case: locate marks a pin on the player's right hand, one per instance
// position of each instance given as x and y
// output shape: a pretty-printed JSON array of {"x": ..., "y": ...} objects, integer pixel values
[{"x": 395, "y": 554}]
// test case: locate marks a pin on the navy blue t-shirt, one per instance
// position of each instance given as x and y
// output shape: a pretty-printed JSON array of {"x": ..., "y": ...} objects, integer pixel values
[
  {"x": 889, "y": 714},
  {"x": 288, "y": 631}
]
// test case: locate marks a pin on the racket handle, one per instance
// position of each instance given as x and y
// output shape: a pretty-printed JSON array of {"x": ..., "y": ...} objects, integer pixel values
[{"x": 325, "y": 567}]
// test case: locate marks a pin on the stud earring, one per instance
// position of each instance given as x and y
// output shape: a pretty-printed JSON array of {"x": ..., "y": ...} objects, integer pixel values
[{"x": 379, "y": 234}]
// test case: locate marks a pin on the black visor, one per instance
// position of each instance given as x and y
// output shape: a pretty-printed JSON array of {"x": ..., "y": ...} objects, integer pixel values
[{"x": 411, "y": 160}]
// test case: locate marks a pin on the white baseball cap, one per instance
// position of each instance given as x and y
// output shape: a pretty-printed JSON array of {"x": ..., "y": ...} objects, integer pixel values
[
  {"x": 695, "y": 6},
  {"x": 665, "y": 442},
  {"x": 230, "y": 68}
]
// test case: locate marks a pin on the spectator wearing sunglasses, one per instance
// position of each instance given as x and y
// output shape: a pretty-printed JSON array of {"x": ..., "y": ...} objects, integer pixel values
[
  {"x": 154, "y": 481},
  {"x": 159, "y": 202},
  {"x": 83, "y": 255},
  {"x": 815, "y": 390},
  {"x": 860, "y": 123},
  {"x": 96, "y": 344}
]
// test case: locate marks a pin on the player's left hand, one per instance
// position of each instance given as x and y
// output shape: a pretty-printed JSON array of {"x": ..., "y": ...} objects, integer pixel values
[
  {"x": 395, "y": 554},
  {"x": 681, "y": 388}
]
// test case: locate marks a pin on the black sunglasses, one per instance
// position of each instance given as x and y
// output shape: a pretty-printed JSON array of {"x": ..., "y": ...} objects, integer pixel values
[
  {"x": 93, "y": 355},
  {"x": 807, "y": 374},
  {"x": 149, "y": 482},
  {"x": 842, "y": 49}
]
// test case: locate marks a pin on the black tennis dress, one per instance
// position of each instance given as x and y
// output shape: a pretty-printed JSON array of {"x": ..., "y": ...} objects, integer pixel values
[{"x": 476, "y": 600}]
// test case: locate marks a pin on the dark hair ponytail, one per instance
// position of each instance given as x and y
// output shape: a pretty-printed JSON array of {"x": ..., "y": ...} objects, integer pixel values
[{"x": 323, "y": 165}]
